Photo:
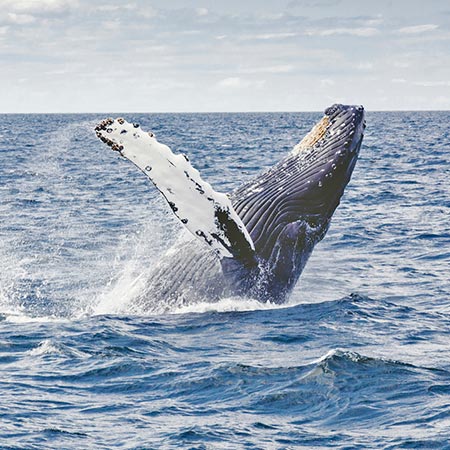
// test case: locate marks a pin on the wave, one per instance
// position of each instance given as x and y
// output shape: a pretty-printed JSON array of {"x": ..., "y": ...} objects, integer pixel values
[
  {"x": 50, "y": 347},
  {"x": 336, "y": 358}
]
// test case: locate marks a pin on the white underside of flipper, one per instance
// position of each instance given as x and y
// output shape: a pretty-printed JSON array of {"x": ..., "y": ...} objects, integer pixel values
[{"x": 207, "y": 214}]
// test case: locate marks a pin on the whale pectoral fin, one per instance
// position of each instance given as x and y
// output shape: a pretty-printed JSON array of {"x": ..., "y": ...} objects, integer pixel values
[{"x": 207, "y": 214}]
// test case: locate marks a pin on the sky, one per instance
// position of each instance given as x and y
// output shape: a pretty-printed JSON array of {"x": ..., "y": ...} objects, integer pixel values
[{"x": 229, "y": 55}]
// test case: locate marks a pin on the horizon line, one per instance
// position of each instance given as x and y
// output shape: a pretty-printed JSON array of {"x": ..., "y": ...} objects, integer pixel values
[{"x": 214, "y": 112}]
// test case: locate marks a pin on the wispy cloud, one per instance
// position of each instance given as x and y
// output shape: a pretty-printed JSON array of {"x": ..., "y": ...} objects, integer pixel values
[
  {"x": 284, "y": 68},
  {"x": 364, "y": 66},
  {"x": 417, "y": 29},
  {"x": 268, "y": 36},
  {"x": 202, "y": 12},
  {"x": 113, "y": 8},
  {"x": 313, "y": 3},
  {"x": 442, "y": 83},
  {"x": 38, "y": 6},
  {"x": 238, "y": 82},
  {"x": 362, "y": 31},
  {"x": 373, "y": 21},
  {"x": 401, "y": 64},
  {"x": 21, "y": 19},
  {"x": 326, "y": 82}
]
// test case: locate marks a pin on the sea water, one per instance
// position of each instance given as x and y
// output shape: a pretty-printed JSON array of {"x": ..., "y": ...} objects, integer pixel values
[{"x": 358, "y": 357}]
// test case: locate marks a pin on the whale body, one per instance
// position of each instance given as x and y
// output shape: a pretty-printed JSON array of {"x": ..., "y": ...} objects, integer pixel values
[{"x": 256, "y": 241}]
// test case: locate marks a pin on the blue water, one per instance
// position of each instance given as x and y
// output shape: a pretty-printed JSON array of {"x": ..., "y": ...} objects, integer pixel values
[{"x": 358, "y": 358}]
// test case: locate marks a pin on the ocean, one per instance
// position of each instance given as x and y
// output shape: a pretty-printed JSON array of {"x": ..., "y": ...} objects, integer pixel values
[{"x": 358, "y": 358}]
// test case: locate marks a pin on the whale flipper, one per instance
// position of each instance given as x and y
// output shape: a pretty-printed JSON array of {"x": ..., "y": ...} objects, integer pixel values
[{"x": 207, "y": 214}]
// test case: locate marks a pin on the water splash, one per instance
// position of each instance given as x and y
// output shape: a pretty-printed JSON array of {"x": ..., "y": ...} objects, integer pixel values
[{"x": 131, "y": 268}]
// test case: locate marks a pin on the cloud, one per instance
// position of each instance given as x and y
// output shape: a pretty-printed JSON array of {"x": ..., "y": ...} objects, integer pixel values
[
  {"x": 33, "y": 6},
  {"x": 327, "y": 82},
  {"x": 25, "y": 12},
  {"x": 230, "y": 82},
  {"x": 313, "y": 3},
  {"x": 416, "y": 29},
  {"x": 237, "y": 82},
  {"x": 432, "y": 83},
  {"x": 363, "y": 32},
  {"x": 21, "y": 19},
  {"x": 112, "y": 8},
  {"x": 364, "y": 66},
  {"x": 373, "y": 21},
  {"x": 111, "y": 24},
  {"x": 268, "y": 36},
  {"x": 282, "y": 68},
  {"x": 402, "y": 64},
  {"x": 201, "y": 12}
]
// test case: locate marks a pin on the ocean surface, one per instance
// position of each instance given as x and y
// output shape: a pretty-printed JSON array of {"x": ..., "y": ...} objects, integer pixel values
[{"x": 359, "y": 357}]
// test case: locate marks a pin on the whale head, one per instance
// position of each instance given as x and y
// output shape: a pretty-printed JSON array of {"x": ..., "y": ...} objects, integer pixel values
[
  {"x": 336, "y": 137},
  {"x": 288, "y": 209},
  {"x": 326, "y": 157}
]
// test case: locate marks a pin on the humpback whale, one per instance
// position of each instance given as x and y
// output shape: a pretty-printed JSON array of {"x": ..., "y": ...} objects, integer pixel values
[{"x": 255, "y": 241}]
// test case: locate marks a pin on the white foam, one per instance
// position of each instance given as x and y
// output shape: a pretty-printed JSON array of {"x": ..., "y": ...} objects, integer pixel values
[
  {"x": 45, "y": 347},
  {"x": 15, "y": 317},
  {"x": 228, "y": 304},
  {"x": 329, "y": 354}
]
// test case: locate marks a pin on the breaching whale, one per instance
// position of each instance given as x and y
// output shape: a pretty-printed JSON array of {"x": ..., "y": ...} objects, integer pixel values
[{"x": 256, "y": 241}]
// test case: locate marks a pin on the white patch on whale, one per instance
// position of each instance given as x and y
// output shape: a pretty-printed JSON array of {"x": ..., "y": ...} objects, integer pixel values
[{"x": 207, "y": 214}]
